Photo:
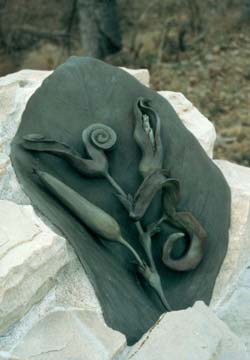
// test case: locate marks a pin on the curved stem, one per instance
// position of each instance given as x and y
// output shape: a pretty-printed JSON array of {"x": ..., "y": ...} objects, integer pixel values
[
  {"x": 146, "y": 242},
  {"x": 133, "y": 251},
  {"x": 161, "y": 220},
  {"x": 161, "y": 295},
  {"x": 115, "y": 185},
  {"x": 155, "y": 278}
]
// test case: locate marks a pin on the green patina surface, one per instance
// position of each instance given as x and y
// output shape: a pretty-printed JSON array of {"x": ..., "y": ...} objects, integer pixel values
[{"x": 85, "y": 91}]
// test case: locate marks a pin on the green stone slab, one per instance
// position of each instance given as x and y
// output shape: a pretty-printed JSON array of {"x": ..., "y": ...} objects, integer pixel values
[{"x": 84, "y": 91}]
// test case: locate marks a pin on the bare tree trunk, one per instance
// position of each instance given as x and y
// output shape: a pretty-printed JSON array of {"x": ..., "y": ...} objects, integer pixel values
[
  {"x": 245, "y": 14},
  {"x": 196, "y": 16},
  {"x": 99, "y": 27}
]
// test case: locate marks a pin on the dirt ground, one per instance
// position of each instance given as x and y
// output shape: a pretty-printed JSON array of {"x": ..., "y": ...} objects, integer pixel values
[{"x": 217, "y": 81}]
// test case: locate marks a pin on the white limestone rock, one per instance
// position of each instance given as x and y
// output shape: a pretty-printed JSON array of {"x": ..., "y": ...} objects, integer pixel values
[
  {"x": 191, "y": 334},
  {"x": 30, "y": 257},
  {"x": 15, "y": 90},
  {"x": 231, "y": 295},
  {"x": 194, "y": 121},
  {"x": 235, "y": 312},
  {"x": 72, "y": 289},
  {"x": 71, "y": 334},
  {"x": 238, "y": 254},
  {"x": 141, "y": 75}
]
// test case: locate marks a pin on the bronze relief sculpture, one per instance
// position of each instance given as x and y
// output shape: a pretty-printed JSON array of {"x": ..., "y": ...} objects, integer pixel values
[{"x": 109, "y": 162}]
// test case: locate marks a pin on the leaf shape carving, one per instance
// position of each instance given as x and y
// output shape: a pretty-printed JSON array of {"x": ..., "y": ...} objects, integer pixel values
[
  {"x": 97, "y": 138},
  {"x": 147, "y": 191},
  {"x": 96, "y": 219}
]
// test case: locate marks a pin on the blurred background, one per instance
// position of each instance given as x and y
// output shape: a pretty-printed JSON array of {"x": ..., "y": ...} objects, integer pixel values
[{"x": 200, "y": 48}]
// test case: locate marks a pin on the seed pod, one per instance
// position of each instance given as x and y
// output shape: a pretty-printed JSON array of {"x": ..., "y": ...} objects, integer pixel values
[
  {"x": 147, "y": 136},
  {"x": 92, "y": 216}
]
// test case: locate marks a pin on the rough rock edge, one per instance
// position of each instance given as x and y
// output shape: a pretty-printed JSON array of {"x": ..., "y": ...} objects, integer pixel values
[
  {"x": 31, "y": 264},
  {"x": 217, "y": 340},
  {"x": 195, "y": 122}
]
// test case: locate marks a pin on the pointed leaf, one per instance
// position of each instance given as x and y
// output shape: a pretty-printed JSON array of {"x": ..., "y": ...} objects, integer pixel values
[
  {"x": 86, "y": 167},
  {"x": 147, "y": 191},
  {"x": 171, "y": 196},
  {"x": 127, "y": 201}
]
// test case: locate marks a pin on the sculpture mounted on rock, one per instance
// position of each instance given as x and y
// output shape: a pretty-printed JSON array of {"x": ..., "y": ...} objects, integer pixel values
[{"x": 108, "y": 161}]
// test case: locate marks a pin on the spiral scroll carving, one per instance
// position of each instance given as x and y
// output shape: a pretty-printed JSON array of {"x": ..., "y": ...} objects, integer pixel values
[{"x": 101, "y": 136}]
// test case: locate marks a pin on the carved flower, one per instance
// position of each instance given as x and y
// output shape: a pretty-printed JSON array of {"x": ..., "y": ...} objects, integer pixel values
[
  {"x": 147, "y": 136},
  {"x": 138, "y": 204},
  {"x": 97, "y": 138}
]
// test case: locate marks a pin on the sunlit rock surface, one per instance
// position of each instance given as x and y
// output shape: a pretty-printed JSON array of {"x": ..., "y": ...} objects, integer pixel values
[
  {"x": 191, "y": 334},
  {"x": 30, "y": 257},
  {"x": 231, "y": 297},
  {"x": 238, "y": 254},
  {"x": 194, "y": 121},
  {"x": 235, "y": 311},
  {"x": 72, "y": 334}
]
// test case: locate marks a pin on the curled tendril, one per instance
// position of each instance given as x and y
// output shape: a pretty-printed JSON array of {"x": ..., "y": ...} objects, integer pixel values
[
  {"x": 100, "y": 135},
  {"x": 97, "y": 138},
  {"x": 190, "y": 229},
  {"x": 195, "y": 235}
]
